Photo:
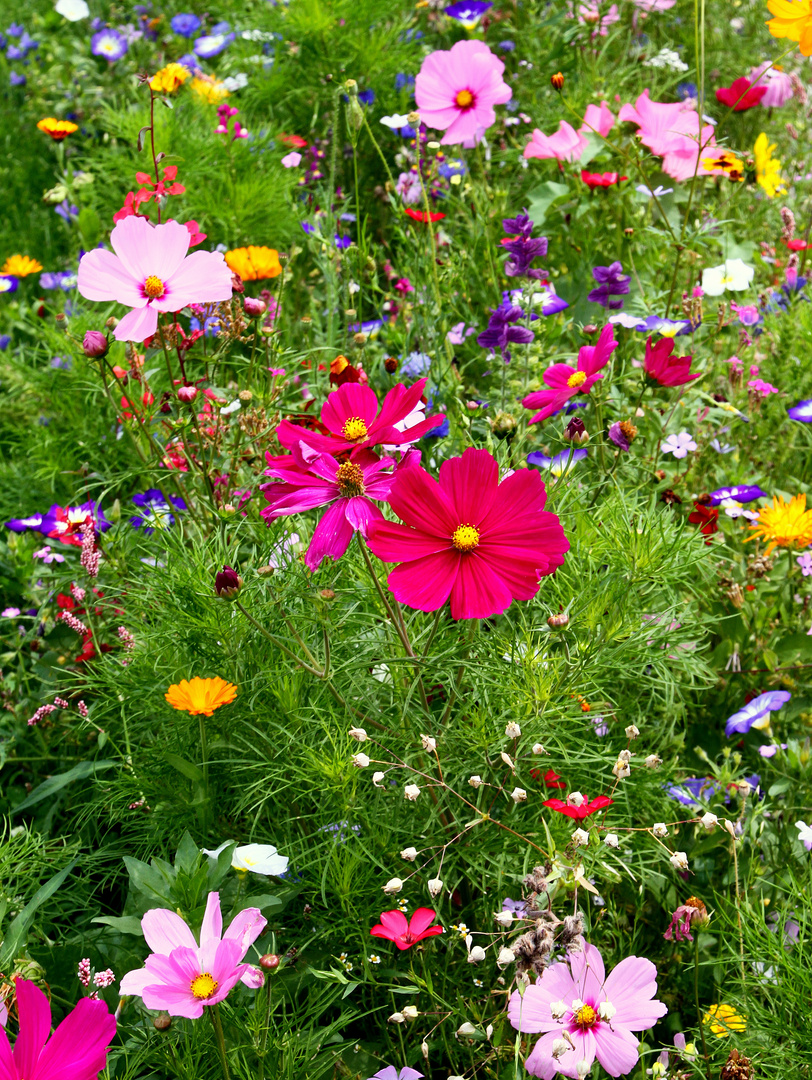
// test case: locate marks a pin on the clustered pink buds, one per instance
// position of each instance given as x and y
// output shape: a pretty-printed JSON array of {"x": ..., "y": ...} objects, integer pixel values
[
  {"x": 225, "y": 113},
  {"x": 126, "y": 637},
  {"x": 74, "y": 623},
  {"x": 40, "y": 714},
  {"x": 90, "y": 556},
  {"x": 84, "y": 972},
  {"x": 83, "y": 710},
  {"x": 60, "y": 703},
  {"x": 104, "y": 978},
  {"x": 77, "y": 592}
]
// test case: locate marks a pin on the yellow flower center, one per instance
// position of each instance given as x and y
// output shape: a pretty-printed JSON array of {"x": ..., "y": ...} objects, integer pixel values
[
  {"x": 153, "y": 287},
  {"x": 578, "y": 378},
  {"x": 464, "y": 99},
  {"x": 586, "y": 1016},
  {"x": 350, "y": 479},
  {"x": 465, "y": 538},
  {"x": 203, "y": 986},
  {"x": 355, "y": 429}
]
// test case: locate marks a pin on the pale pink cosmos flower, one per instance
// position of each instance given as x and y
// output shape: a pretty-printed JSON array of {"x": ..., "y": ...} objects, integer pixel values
[
  {"x": 180, "y": 976},
  {"x": 597, "y": 1013},
  {"x": 77, "y": 1050},
  {"x": 456, "y": 90},
  {"x": 672, "y": 132},
  {"x": 778, "y": 83},
  {"x": 589, "y": 15},
  {"x": 654, "y": 5},
  {"x": 151, "y": 272},
  {"x": 567, "y": 144}
]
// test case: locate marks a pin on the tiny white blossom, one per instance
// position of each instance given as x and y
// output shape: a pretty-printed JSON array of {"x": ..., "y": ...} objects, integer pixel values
[
  {"x": 428, "y": 743},
  {"x": 410, "y": 1012},
  {"x": 679, "y": 860},
  {"x": 558, "y": 1009},
  {"x": 507, "y": 760},
  {"x": 360, "y": 761},
  {"x": 710, "y": 821},
  {"x": 353, "y": 288},
  {"x": 518, "y": 795},
  {"x": 393, "y": 885},
  {"x": 576, "y": 799},
  {"x": 625, "y": 756},
  {"x": 374, "y": 958},
  {"x": 653, "y": 761},
  {"x": 580, "y": 837},
  {"x": 358, "y": 734},
  {"x": 659, "y": 829},
  {"x": 632, "y": 731},
  {"x": 621, "y": 769},
  {"x": 397, "y": 1018},
  {"x": 409, "y": 854},
  {"x": 505, "y": 956},
  {"x": 411, "y": 791},
  {"x": 466, "y": 1029},
  {"x": 611, "y": 840},
  {"x": 513, "y": 731},
  {"x": 435, "y": 887},
  {"x": 475, "y": 781},
  {"x": 476, "y": 955},
  {"x": 489, "y": 1031},
  {"x": 538, "y": 748}
]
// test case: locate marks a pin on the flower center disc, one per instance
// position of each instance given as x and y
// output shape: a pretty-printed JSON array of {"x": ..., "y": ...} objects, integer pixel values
[
  {"x": 350, "y": 480},
  {"x": 465, "y": 538},
  {"x": 203, "y": 986},
  {"x": 355, "y": 429},
  {"x": 464, "y": 99},
  {"x": 586, "y": 1016},
  {"x": 153, "y": 287},
  {"x": 578, "y": 378}
]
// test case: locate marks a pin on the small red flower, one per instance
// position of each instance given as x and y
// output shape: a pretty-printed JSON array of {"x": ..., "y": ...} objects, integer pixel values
[
  {"x": 394, "y": 927},
  {"x": 707, "y": 517},
  {"x": 420, "y": 215},
  {"x": 594, "y": 180},
  {"x": 549, "y": 779},
  {"x": 296, "y": 141},
  {"x": 578, "y": 813},
  {"x": 797, "y": 245},
  {"x": 741, "y": 94}
]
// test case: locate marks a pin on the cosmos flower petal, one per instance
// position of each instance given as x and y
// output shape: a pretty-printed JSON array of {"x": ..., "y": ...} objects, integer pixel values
[{"x": 103, "y": 276}]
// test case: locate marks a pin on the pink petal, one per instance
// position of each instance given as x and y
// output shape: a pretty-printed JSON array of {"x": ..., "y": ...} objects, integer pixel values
[
  {"x": 246, "y": 928},
  {"x": 224, "y": 966},
  {"x": 165, "y": 930},
  {"x": 103, "y": 276},
  {"x": 133, "y": 983},
  {"x": 630, "y": 988},
  {"x": 351, "y": 399},
  {"x": 35, "y": 1027},
  {"x": 588, "y": 971},
  {"x": 420, "y": 501},
  {"x": 332, "y": 535},
  {"x": 202, "y": 278},
  {"x": 137, "y": 325},
  {"x": 361, "y": 513},
  {"x": 426, "y": 583},
  {"x": 394, "y": 922},
  {"x": 392, "y": 542},
  {"x": 7, "y": 1069},
  {"x": 616, "y": 1049},
  {"x": 212, "y": 928},
  {"x": 78, "y": 1048},
  {"x": 422, "y": 920},
  {"x": 542, "y": 1063},
  {"x": 176, "y": 1000},
  {"x": 470, "y": 484},
  {"x": 252, "y": 977},
  {"x": 147, "y": 249},
  {"x": 399, "y": 402},
  {"x": 521, "y": 493},
  {"x": 478, "y": 592}
]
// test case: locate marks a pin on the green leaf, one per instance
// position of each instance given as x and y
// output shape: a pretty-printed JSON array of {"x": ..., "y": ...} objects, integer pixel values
[
  {"x": 55, "y": 783},
  {"x": 779, "y": 787},
  {"x": 188, "y": 854},
  {"x": 348, "y": 989},
  {"x": 16, "y": 935},
  {"x": 264, "y": 901},
  {"x": 542, "y": 198},
  {"x": 126, "y": 924},
  {"x": 146, "y": 879},
  {"x": 186, "y": 768}
]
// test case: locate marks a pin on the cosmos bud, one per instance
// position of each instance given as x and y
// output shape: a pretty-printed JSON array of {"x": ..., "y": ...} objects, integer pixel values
[
  {"x": 269, "y": 961},
  {"x": 187, "y": 393},
  {"x": 576, "y": 431},
  {"x": 227, "y": 583},
  {"x": 254, "y": 308},
  {"x": 390, "y": 364},
  {"x": 95, "y": 344},
  {"x": 558, "y": 622}
]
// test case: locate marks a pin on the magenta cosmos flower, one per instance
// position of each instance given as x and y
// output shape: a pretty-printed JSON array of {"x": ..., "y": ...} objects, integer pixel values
[
  {"x": 583, "y": 1015},
  {"x": 151, "y": 272},
  {"x": 351, "y": 415},
  {"x": 181, "y": 976},
  {"x": 565, "y": 382},
  {"x": 77, "y": 1050},
  {"x": 404, "y": 933},
  {"x": 456, "y": 91},
  {"x": 467, "y": 537},
  {"x": 310, "y": 479}
]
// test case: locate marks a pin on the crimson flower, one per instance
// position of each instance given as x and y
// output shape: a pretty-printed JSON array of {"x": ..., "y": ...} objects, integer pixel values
[
  {"x": 564, "y": 382},
  {"x": 394, "y": 927},
  {"x": 351, "y": 417},
  {"x": 467, "y": 537},
  {"x": 665, "y": 369},
  {"x": 797, "y": 245},
  {"x": 707, "y": 517},
  {"x": 578, "y": 813},
  {"x": 741, "y": 94},
  {"x": 421, "y": 215},
  {"x": 594, "y": 180},
  {"x": 549, "y": 779}
]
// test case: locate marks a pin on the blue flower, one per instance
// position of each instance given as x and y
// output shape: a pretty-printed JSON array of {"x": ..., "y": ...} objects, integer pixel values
[
  {"x": 403, "y": 81},
  {"x": 109, "y": 44},
  {"x": 687, "y": 90},
  {"x": 558, "y": 465},
  {"x": 506, "y": 46},
  {"x": 16, "y": 78},
  {"x": 693, "y": 791},
  {"x": 59, "y": 279},
  {"x": 756, "y": 713},
  {"x": 220, "y": 28},
  {"x": 156, "y": 512},
  {"x": 468, "y": 12},
  {"x": 342, "y": 242},
  {"x": 8, "y": 283},
  {"x": 415, "y": 365},
  {"x": 185, "y": 24},
  {"x": 5, "y": 341},
  {"x": 439, "y": 432},
  {"x": 802, "y": 411},
  {"x": 67, "y": 211},
  {"x": 212, "y": 44},
  {"x": 15, "y": 30}
]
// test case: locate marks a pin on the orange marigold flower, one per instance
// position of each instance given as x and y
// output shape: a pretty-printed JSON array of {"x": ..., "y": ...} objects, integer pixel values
[
  {"x": 784, "y": 524},
  {"x": 57, "y": 129},
  {"x": 169, "y": 78},
  {"x": 20, "y": 266},
  {"x": 254, "y": 263},
  {"x": 200, "y": 695}
]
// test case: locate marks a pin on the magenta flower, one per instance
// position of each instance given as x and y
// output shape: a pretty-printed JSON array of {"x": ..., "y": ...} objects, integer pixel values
[
  {"x": 468, "y": 538},
  {"x": 598, "y": 1014},
  {"x": 181, "y": 976},
  {"x": 77, "y": 1050},
  {"x": 310, "y": 479},
  {"x": 456, "y": 91},
  {"x": 565, "y": 382},
  {"x": 151, "y": 272},
  {"x": 351, "y": 415}
]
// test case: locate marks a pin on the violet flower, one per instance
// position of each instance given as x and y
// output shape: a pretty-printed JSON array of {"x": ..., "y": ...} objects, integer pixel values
[
  {"x": 611, "y": 282},
  {"x": 757, "y": 712},
  {"x": 501, "y": 333},
  {"x": 523, "y": 249}
]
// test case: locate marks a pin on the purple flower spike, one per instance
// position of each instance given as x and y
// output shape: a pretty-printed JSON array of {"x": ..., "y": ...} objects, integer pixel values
[
  {"x": 756, "y": 710},
  {"x": 500, "y": 332},
  {"x": 522, "y": 248}
]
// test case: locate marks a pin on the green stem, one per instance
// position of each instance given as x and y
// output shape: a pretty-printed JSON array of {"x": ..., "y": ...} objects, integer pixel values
[
  {"x": 698, "y": 1009},
  {"x": 214, "y": 1013},
  {"x": 204, "y": 754}
]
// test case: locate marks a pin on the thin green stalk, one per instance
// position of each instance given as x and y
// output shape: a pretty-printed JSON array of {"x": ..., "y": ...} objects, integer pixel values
[
  {"x": 204, "y": 754},
  {"x": 214, "y": 1013},
  {"x": 698, "y": 1008}
]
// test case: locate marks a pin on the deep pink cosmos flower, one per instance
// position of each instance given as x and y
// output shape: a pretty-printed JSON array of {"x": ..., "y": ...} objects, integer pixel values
[
  {"x": 351, "y": 415},
  {"x": 456, "y": 91},
  {"x": 565, "y": 382},
  {"x": 394, "y": 927},
  {"x": 666, "y": 369},
  {"x": 597, "y": 1013},
  {"x": 741, "y": 94},
  {"x": 468, "y": 538},
  {"x": 77, "y": 1050},
  {"x": 151, "y": 272},
  {"x": 311, "y": 479},
  {"x": 181, "y": 976}
]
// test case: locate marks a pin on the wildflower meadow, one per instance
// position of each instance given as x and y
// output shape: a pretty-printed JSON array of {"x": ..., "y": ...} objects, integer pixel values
[{"x": 406, "y": 566}]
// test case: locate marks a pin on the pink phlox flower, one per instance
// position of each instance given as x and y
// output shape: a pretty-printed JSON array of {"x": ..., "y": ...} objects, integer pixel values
[
  {"x": 309, "y": 479},
  {"x": 351, "y": 415},
  {"x": 180, "y": 976},
  {"x": 763, "y": 388},
  {"x": 456, "y": 90},
  {"x": 77, "y": 1050},
  {"x": 151, "y": 272},
  {"x": 564, "y": 382},
  {"x": 599, "y": 1014},
  {"x": 778, "y": 83},
  {"x": 291, "y": 160},
  {"x": 467, "y": 537}
]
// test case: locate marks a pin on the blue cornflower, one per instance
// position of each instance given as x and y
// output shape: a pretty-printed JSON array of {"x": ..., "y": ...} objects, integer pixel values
[{"x": 185, "y": 25}]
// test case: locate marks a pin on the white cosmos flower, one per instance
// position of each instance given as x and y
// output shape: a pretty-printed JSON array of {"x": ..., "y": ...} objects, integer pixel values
[
  {"x": 72, "y": 10},
  {"x": 258, "y": 858}
]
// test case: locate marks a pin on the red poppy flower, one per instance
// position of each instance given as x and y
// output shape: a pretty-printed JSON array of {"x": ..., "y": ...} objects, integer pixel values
[
  {"x": 707, "y": 517},
  {"x": 394, "y": 927},
  {"x": 421, "y": 215},
  {"x": 797, "y": 245},
  {"x": 549, "y": 779},
  {"x": 578, "y": 813},
  {"x": 741, "y": 94},
  {"x": 606, "y": 179}
]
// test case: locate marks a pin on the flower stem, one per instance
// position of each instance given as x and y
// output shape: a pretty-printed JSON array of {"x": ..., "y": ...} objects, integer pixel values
[
  {"x": 204, "y": 754},
  {"x": 698, "y": 1009},
  {"x": 214, "y": 1013}
]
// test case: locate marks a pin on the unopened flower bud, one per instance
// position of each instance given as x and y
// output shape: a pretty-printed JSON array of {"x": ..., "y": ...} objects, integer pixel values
[
  {"x": 538, "y": 748},
  {"x": 611, "y": 840},
  {"x": 575, "y": 429},
  {"x": 95, "y": 344},
  {"x": 559, "y": 1048},
  {"x": 583, "y": 1069},
  {"x": 409, "y": 854},
  {"x": 393, "y": 885},
  {"x": 413, "y": 118},
  {"x": 428, "y": 743},
  {"x": 269, "y": 962},
  {"x": 411, "y": 791},
  {"x": 660, "y": 829},
  {"x": 710, "y": 821},
  {"x": 653, "y": 761},
  {"x": 507, "y": 760},
  {"x": 559, "y": 621},
  {"x": 358, "y": 734},
  {"x": 424, "y": 1050},
  {"x": 476, "y": 955},
  {"x": 576, "y": 799},
  {"x": 505, "y": 957},
  {"x": 504, "y": 918},
  {"x": 390, "y": 364},
  {"x": 377, "y": 778},
  {"x": 512, "y": 730},
  {"x": 518, "y": 795},
  {"x": 606, "y": 1010},
  {"x": 410, "y": 1012},
  {"x": 227, "y": 583},
  {"x": 187, "y": 393},
  {"x": 162, "y": 1022},
  {"x": 632, "y": 731},
  {"x": 558, "y": 1009},
  {"x": 557, "y": 81},
  {"x": 580, "y": 837},
  {"x": 679, "y": 860},
  {"x": 475, "y": 781},
  {"x": 503, "y": 425},
  {"x": 467, "y": 1029},
  {"x": 435, "y": 887},
  {"x": 397, "y": 1018},
  {"x": 621, "y": 769},
  {"x": 254, "y": 308},
  {"x": 360, "y": 761},
  {"x": 625, "y": 756}
]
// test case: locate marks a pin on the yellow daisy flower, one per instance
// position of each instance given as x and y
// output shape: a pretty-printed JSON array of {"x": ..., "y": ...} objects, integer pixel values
[
  {"x": 209, "y": 89},
  {"x": 200, "y": 695},
  {"x": 768, "y": 168},
  {"x": 784, "y": 524},
  {"x": 57, "y": 129},
  {"x": 724, "y": 1020},
  {"x": 793, "y": 20},
  {"x": 20, "y": 266},
  {"x": 169, "y": 78},
  {"x": 254, "y": 263}
]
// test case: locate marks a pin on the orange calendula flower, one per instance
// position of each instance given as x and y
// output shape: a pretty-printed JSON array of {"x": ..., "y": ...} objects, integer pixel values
[
  {"x": 254, "y": 263},
  {"x": 20, "y": 266},
  {"x": 200, "y": 695},
  {"x": 169, "y": 78},
  {"x": 57, "y": 129},
  {"x": 793, "y": 20},
  {"x": 784, "y": 524}
]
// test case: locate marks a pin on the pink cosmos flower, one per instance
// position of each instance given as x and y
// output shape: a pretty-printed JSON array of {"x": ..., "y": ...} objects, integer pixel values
[
  {"x": 394, "y": 927},
  {"x": 597, "y": 1013},
  {"x": 311, "y": 479},
  {"x": 151, "y": 272},
  {"x": 181, "y": 976},
  {"x": 77, "y": 1050},
  {"x": 666, "y": 369},
  {"x": 567, "y": 144},
  {"x": 351, "y": 415},
  {"x": 778, "y": 83},
  {"x": 654, "y": 5},
  {"x": 588, "y": 14},
  {"x": 672, "y": 132},
  {"x": 565, "y": 382},
  {"x": 456, "y": 90},
  {"x": 468, "y": 538}
]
